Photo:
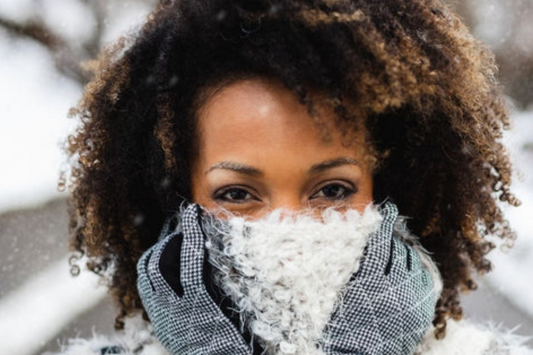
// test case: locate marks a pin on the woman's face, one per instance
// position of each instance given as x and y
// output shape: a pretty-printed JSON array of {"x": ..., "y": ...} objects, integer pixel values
[{"x": 259, "y": 150}]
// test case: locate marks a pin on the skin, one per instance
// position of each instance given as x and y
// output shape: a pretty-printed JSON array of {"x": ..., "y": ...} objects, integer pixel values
[{"x": 260, "y": 150}]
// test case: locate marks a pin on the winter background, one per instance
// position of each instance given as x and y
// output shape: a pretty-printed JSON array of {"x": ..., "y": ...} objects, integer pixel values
[{"x": 41, "y": 44}]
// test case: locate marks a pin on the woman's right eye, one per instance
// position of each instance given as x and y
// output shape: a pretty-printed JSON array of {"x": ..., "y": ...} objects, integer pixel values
[{"x": 234, "y": 195}]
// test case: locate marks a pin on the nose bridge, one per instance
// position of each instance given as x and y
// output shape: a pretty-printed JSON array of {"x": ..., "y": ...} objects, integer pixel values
[
  {"x": 286, "y": 190},
  {"x": 288, "y": 200}
]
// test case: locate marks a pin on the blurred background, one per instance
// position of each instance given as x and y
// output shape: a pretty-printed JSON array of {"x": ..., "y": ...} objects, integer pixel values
[{"x": 42, "y": 43}]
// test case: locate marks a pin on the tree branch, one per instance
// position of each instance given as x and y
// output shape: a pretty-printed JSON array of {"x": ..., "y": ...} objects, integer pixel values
[
  {"x": 35, "y": 30},
  {"x": 66, "y": 60}
]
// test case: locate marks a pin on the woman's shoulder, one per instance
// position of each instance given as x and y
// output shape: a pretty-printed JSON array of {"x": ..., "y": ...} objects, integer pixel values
[
  {"x": 467, "y": 338},
  {"x": 137, "y": 338}
]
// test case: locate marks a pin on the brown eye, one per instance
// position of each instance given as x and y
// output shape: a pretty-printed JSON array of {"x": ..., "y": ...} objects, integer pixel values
[
  {"x": 334, "y": 192},
  {"x": 234, "y": 194}
]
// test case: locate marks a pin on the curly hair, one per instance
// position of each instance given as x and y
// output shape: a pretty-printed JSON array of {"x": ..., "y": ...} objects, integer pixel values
[{"x": 408, "y": 71}]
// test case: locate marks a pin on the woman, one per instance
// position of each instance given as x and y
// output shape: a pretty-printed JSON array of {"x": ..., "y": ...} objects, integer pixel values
[{"x": 257, "y": 111}]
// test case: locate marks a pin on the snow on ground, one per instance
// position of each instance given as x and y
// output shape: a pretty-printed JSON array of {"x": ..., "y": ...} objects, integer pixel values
[
  {"x": 43, "y": 305},
  {"x": 513, "y": 268}
]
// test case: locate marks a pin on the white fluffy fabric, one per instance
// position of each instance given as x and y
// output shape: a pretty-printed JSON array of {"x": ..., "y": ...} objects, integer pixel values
[
  {"x": 137, "y": 338},
  {"x": 463, "y": 338},
  {"x": 466, "y": 338},
  {"x": 286, "y": 274}
]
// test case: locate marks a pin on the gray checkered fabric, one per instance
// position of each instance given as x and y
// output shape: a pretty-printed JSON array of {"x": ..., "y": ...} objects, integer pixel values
[
  {"x": 191, "y": 324},
  {"x": 388, "y": 307},
  {"x": 390, "y": 302}
]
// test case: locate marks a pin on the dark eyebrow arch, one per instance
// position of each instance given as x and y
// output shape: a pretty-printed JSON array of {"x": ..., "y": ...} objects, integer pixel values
[
  {"x": 329, "y": 164},
  {"x": 237, "y": 167}
]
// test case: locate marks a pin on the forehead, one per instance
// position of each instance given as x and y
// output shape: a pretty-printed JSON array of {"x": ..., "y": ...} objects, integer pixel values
[
  {"x": 259, "y": 121},
  {"x": 255, "y": 105}
]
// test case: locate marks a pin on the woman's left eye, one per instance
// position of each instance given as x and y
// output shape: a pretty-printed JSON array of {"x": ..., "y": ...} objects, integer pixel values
[{"x": 334, "y": 192}]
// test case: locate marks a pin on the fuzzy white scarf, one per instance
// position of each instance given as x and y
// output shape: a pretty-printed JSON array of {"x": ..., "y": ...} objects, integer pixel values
[
  {"x": 466, "y": 338},
  {"x": 137, "y": 338},
  {"x": 463, "y": 338},
  {"x": 286, "y": 274}
]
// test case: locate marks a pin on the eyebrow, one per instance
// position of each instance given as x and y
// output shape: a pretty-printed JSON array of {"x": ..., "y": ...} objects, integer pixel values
[
  {"x": 237, "y": 167},
  {"x": 250, "y": 170},
  {"x": 329, "y": 164}
]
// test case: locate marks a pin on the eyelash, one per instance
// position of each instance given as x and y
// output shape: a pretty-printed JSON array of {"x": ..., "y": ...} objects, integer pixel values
[
  {"x": 220, "y": 194},
  {"x": 348, "y": 191}
]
